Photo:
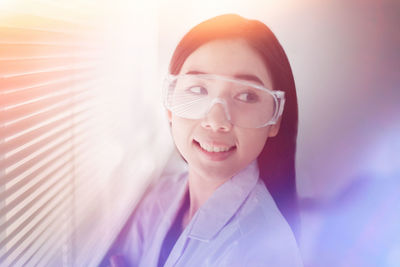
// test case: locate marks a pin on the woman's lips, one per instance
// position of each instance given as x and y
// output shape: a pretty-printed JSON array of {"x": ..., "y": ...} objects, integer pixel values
[{"x": 214, "y": 151}]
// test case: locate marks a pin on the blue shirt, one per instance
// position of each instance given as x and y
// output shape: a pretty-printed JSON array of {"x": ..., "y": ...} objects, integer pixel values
[{"x": 239, "y": 225}]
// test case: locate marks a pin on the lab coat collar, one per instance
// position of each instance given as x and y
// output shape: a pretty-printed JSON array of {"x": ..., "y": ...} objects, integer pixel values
[{"x": 223, "y": 204}]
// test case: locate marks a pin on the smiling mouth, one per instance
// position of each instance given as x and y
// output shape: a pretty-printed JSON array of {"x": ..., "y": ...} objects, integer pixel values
[{"x": 214, "y": 148}]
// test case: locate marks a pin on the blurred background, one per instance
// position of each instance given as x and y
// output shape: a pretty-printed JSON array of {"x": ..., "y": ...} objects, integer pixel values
[{"x": 83, "y": 130}]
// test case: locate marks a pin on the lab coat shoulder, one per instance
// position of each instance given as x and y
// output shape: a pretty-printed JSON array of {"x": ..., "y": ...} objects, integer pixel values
[
  {"x": 155, "y": 203},
  {"x": 142, "y": 226},
  {"x": 266, "y": 239}
]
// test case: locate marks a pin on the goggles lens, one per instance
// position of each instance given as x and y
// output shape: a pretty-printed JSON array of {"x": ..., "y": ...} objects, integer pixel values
[{"x": 247, "y": 105}]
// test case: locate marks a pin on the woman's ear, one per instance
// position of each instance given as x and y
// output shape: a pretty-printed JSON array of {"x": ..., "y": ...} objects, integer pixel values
[{"x": 274, "y": 129}]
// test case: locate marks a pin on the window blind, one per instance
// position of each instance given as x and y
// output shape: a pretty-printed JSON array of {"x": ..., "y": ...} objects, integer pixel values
[
  {"x": 66, "y": 185},
  {"x": 47, "y": 72}
]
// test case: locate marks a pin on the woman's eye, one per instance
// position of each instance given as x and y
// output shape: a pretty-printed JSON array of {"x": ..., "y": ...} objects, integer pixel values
[
  {"x": 248, "y": 97},
  {"x": 197, "y": 90}
]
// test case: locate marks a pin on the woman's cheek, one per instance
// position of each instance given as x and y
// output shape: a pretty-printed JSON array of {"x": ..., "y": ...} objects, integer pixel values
[
  {"x": 252, "y": 141},
  {"x": 181, "y": 132}
]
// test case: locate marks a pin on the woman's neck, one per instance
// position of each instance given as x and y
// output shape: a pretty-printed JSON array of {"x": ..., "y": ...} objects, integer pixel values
[{"x": 200, "y": 190}]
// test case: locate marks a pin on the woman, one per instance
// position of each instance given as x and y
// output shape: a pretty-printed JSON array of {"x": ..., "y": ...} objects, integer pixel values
[{"x": 225, "y": 101}]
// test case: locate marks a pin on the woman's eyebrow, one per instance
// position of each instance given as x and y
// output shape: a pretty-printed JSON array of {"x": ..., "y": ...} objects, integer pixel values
[{"x": 247, "y": 77}]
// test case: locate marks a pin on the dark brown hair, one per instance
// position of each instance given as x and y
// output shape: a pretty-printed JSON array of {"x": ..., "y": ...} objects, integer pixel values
[{"x": 277, "y": 159}]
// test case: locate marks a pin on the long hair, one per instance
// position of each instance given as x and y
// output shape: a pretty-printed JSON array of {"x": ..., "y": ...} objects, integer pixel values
[{"x": 277, "y": 159}]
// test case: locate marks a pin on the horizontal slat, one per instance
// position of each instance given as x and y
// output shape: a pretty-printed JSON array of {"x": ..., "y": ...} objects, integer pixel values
[
  {"x": 86, "y": 178},
  {"x": 17, "y": 67},
  {"x": 33, "y": 213},
  {"x": 17, "y": 201},
  {"x": 58, "y": 112},
  {"x": 83, "y": 121},
  {"x": 76, "y": 86},
  {"x": 50, "y": 69},
  {"x": 26, "y": 82},
  {"x": 27, "y": 105},
  {"x": 20, "y": 183},
  {"x": 42, "y": 163},
  {"x": 36, "y": 134},
  {"x": 61, "y": 170},
  {"x": 55, "y": 210},
  {"x": 52, "y": 253},
  {"x": 30, "y": 191},
  {"x": 79, "y": 56},
  {"x": 24, "y": 110},
  {"x": 49, "y": 24},
  {"x": 85, "y": 152},
  {"x": 28, "y": 150},
  {"x": 38, "y": 88},
  {"x": 54, "y": 258},
  {"x": 83, "y": 187},
  {"x": 46, "y": 242},
  {"x": 30, "y": 166},
  {"x": 24, "y": 35},
  {"x": 26, "y": 50},
  {"x": 33, "y": 164},
  {"x": 81, "y": 168},
  {"x": 40, "y": 192}
]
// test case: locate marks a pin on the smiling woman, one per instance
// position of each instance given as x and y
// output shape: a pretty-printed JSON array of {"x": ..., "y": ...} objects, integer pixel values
[
  {"x": 215, "y": 130},
  {"x": 236, "y": 204}
]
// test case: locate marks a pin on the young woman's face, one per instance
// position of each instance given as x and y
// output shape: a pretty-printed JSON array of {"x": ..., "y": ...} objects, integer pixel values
[{"x": 215, "y": 132}]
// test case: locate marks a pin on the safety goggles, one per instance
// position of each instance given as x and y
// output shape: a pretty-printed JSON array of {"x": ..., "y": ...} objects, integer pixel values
[{"x": 246, "y": 104}]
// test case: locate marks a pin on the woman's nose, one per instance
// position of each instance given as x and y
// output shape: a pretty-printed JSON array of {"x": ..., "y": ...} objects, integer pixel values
[{"x": 217, "y": 118}]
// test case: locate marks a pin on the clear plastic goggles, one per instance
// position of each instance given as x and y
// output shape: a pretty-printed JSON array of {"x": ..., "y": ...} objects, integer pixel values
[{"x": 246, "y": 104}]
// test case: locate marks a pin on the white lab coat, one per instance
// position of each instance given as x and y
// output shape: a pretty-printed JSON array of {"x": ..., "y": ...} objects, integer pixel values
[{"x": 239, "y": 225}]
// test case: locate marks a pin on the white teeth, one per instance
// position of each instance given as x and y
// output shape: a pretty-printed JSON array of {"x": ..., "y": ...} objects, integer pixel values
[{"x": 211, "y": 148}]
